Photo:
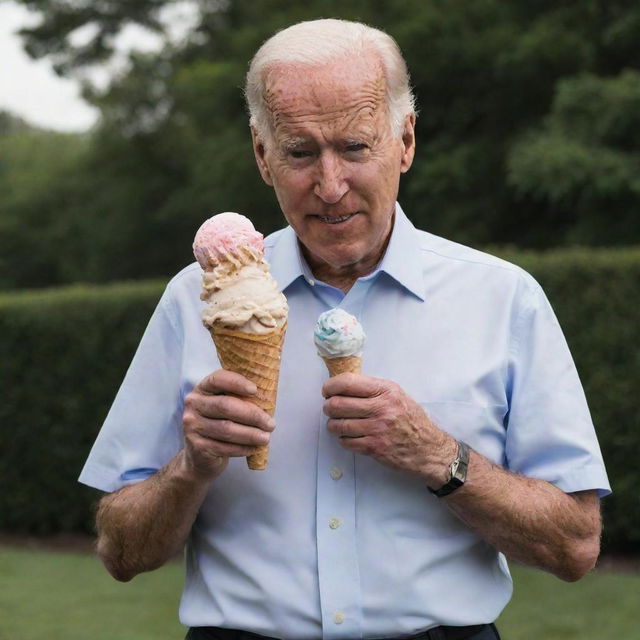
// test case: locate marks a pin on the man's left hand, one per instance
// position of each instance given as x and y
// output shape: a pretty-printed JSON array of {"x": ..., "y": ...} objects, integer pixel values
[{"x": 375, "y": 417}]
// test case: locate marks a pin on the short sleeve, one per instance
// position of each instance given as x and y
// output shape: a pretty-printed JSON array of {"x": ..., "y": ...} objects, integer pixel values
[
  {"x": 550, "y": 434},
  {"x": 142, "y": 431}
]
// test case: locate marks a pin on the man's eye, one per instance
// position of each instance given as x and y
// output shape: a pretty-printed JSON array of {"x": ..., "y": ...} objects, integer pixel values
[
  {"x": 356, "y": 146},
  {"x": 297, "y": 153}
]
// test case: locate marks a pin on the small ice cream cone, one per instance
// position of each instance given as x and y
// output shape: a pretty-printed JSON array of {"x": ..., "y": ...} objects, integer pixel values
[
  {"x": 339, "y": 340},
  {"x": 345, "y": 364},
  {"x": 257, "y": 358}
]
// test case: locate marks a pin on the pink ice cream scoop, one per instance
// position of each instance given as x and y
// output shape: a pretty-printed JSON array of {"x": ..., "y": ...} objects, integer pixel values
[
  {"x": 236, "y": 284},
  {"x": 227, "y": 237}
]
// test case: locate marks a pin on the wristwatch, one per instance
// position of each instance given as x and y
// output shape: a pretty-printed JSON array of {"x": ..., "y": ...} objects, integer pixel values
[{"x": 458, "y": 470}]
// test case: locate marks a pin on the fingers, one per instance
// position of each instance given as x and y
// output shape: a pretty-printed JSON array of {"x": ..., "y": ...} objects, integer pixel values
[
  {"x": 376, "y": 417},
  {"x": 226, "y": 395},
  {"x": 221, "y": 421},
  {"x": 230, "y": 432},
  {"x": 354, "y": 396},
  {"x": 355, "y": 428},
  {"x": 352, "y": 407},
  {"x": 235, "y": 441},
  {"x": 353, "y": 384},
  {"x": 228, "y": 408},
  {"x": 357, "y": 407},
  {"x": 223, "y": 381},
  {"x": 360, "y": 436}
]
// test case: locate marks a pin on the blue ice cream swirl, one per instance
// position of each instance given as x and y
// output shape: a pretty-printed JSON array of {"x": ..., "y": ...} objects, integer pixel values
[{"x": 338, "y": 334}]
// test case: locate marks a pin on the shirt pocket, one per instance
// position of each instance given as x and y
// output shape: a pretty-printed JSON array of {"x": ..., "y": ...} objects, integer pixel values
[{"x": 481, "y": 427}]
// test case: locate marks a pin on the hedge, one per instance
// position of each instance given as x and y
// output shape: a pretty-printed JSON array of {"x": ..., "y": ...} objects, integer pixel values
[
  {"x": 596, "y": 296},
  {"x": 63, "y": 354}
]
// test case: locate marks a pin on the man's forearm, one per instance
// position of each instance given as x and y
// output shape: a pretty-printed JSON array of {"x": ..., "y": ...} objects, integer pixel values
[
  {"x": 142, "y": 526},
  {"x": 530, "y": 520}
]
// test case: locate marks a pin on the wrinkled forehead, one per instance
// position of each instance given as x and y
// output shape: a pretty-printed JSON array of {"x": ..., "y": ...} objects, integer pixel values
[{"x": 343, "y": 90}]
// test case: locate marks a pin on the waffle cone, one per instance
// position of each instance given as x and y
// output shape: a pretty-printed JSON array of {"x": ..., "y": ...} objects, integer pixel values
[
  {"x": 257, "y": 358},
  {"x": 345, "y": 364}
]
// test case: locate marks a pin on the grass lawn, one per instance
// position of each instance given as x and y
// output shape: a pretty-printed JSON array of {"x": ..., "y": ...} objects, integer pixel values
[
  {"x": 603, "y": 605},
  {"x": 68, "y": 596}
]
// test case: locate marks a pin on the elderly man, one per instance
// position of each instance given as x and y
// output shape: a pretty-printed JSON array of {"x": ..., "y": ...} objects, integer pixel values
[{"x": 392, "y": 498}]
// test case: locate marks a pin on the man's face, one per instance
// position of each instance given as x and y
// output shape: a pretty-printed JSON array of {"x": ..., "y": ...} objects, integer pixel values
[{"x": 333, "y": 161}]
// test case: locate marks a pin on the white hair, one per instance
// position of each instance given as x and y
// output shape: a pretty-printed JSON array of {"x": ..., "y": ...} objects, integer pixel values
[{"x": 319, "y": 42}]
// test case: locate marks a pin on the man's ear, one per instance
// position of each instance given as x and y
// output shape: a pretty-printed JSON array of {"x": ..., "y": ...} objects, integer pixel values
[
  {"x": 408, "y": 142},
  {"x": 259, "y": 153}
]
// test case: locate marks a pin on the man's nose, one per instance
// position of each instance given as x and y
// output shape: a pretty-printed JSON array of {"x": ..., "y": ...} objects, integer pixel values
[{"x": 330, "y": 183}]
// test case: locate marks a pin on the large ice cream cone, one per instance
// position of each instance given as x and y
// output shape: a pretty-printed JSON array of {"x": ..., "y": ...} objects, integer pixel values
[
  {"x": 246, "y": 313},
  {"x": 345, "y": 364},
  {"x": 256, "y": 357}
]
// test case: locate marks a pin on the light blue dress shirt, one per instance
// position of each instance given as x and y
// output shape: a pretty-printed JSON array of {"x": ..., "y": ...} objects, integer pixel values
[{"x": 326, "y": 543}]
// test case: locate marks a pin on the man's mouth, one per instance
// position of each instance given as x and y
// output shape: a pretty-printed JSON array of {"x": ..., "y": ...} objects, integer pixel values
[{"x": 336, "y": 219}]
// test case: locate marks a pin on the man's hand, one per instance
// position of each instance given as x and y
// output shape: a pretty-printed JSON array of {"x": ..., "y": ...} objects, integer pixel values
[
  {"x": 529, "y": 520},
  {"x": 220, "y": 422},
  {"x": 376, "y": 417},
  {"x": 141, "y": 526}
]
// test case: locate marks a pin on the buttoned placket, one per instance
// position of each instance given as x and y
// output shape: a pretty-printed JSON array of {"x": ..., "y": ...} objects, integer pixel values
[{"x": 336, "y": 522}]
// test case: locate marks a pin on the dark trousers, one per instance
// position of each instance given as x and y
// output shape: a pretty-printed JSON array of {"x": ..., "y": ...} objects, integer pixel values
[{"x": 477, "y": 632}]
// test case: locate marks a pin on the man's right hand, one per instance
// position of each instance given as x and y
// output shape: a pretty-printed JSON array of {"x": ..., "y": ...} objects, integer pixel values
[
  {"x": 220, "y": 421},
  {"x": 142, "y": 525}
]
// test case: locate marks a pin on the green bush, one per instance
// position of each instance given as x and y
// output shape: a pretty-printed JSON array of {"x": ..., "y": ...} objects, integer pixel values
[
  {"x": 596, "y": 296},
  {"x": 64, "y": 352}
]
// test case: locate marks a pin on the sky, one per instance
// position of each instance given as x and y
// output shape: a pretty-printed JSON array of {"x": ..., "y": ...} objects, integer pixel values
[{"x": 30, "y": 89}]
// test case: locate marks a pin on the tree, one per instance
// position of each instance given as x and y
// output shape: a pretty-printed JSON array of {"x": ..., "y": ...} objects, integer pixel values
[
  {"x": 10, "y": 123},
  {"x": 37, "y": 168},
  {"x": 494, "y": 141},
  {"x": 62, "y": 19},
  {"x": 582, "y": 166}
]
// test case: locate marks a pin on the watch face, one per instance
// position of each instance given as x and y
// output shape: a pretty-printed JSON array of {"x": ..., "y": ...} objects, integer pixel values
[{"x": 462, "y": 461}]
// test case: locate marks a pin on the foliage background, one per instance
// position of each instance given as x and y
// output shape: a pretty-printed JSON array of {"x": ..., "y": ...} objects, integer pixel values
[
  {"x": 528, "y": 137},
  {"x": 528, "y": 133},
  {"x": 75, "y": 344}
]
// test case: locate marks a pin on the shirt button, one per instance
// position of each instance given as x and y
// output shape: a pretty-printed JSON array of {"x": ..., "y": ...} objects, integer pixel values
[
  {"x": 334, "y": 523},
  {"x": 336, "y": 473},
  {"x": 311, "y": 282},
  {"x": 339, "y": 617}
]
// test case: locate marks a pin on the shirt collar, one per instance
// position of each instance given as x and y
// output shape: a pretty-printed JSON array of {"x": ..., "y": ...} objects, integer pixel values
[
  {"x": 286, "y": 263},
  {"x": 401, "y": 260}
]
